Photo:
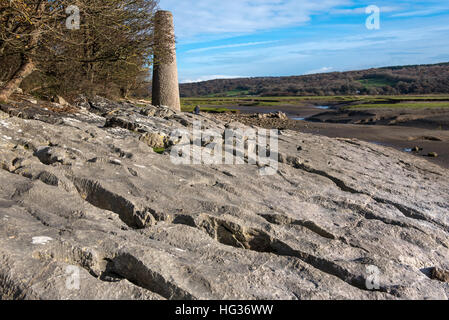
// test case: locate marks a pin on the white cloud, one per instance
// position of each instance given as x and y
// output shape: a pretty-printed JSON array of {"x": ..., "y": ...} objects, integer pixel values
[
  {"x": 204, "y": 21},
  {"x": 210, "y": 77},
  {"x": 200, "y": 17},
  {"x": 424, "y": 12},
  {"x": 292, "y": 58},
  {"x": 228, "y": 46},
  {"x": 301, "y": 50},
  {"x": 362, "y": 10},
  {"x": 321, "y": 70}
]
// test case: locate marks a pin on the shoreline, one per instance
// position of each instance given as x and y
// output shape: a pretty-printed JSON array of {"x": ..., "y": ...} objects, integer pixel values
[{"x": 400, "y": 137}]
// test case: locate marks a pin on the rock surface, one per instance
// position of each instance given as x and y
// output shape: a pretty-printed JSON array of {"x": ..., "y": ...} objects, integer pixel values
[
  {"x": 83, "y": 193},
  {"x": 274, "y": 115}
]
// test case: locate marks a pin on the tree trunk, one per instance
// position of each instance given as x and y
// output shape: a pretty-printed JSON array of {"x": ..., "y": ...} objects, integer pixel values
[
  {"x": 27, "y": 65},
  {"x": 26, "y": 68}
]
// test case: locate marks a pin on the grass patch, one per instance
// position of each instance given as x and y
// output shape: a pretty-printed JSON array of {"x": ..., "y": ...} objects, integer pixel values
[
  {"x": 419, "y": 98},
  {"x": 159, "y": 150},
  {"x": 232, "y": 93},
  {"x": 218, "y": 104},
  {"x": 191, "y": 107}
]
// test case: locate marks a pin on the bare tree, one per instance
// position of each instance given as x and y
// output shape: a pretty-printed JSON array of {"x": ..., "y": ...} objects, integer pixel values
[
  {"x": 21, "y": 29},
  {"x": 113, "y": 42}
]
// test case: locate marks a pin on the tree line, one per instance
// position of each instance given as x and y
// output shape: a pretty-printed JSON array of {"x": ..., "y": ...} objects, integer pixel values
[
  {"x": 109, "y": 52},
  {"x": 419, "y": 79}
]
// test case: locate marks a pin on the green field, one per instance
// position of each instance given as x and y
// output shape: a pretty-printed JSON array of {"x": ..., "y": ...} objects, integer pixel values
[
  {"x": 233, "y": 93},
  {"x": 213, "y": 104},
  {"x": 218, "y": 104},
  {"x": 191, "y": 107}
]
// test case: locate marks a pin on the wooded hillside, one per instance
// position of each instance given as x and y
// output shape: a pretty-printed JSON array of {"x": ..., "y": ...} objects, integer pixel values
[{"x": 419, "y": 79}]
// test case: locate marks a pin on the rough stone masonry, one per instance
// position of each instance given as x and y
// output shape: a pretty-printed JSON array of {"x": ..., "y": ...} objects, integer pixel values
[{"x": 165, "y": 71}]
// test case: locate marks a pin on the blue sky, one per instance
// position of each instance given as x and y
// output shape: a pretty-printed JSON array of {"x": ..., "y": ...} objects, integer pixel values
[{"x": 251, "y": 38}]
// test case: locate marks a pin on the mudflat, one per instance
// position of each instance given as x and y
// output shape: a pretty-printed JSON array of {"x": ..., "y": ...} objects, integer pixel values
[
  {"x": 400, "y": 137},
  {"x": 425, "y": 130},
  {"x": 427, "y": 118}
]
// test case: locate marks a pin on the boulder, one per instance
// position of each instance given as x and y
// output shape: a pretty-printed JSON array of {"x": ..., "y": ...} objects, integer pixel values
[
  {"x": 154, "y": 140},
  {"x": 280, "y": 115}
]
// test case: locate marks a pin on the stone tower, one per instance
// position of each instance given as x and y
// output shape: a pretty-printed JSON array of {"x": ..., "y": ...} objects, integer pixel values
[{"x": 165, "y": 70}]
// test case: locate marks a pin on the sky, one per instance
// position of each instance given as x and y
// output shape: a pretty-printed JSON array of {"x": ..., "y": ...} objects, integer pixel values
[{"x": 219, "y": 39}]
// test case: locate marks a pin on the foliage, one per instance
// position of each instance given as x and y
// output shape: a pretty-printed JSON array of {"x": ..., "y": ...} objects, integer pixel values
[
  {"x": 159, "y": 150},
  {"x": 109, "y": 54},
  {"x": 422, "y": 79}
]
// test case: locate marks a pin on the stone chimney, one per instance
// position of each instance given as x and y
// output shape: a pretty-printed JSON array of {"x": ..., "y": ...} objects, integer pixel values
[{"x": 165, "y": 70}]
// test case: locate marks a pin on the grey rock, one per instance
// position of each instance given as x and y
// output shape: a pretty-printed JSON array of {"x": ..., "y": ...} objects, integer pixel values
[
  {"x": 97, "y": 199},
  {"x": 154, "y": 140},
  {"x": 276, "y": 115}
]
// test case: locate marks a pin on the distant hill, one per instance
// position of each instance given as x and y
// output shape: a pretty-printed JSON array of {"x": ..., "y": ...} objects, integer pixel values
[{"x": 415, "y": 79}]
